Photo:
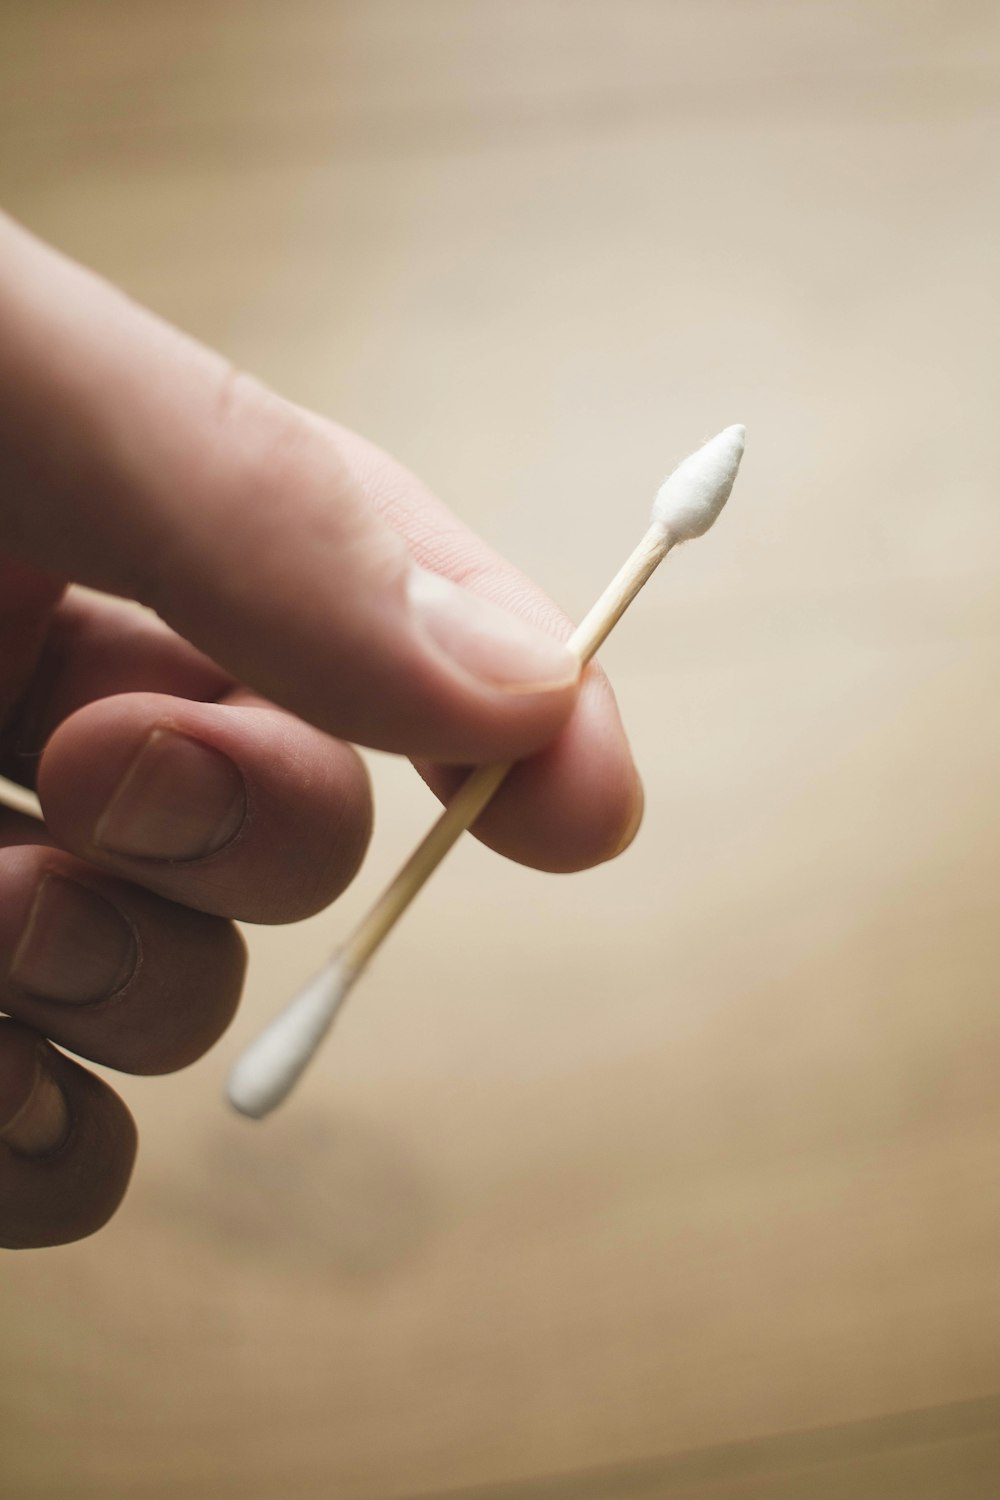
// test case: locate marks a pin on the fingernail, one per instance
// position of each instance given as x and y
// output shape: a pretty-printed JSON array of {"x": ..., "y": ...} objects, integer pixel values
[
  {"x": 42, "y": 1123},
  {"x": 179, "y": 799},
  {"x": 488, "y": 642},
  {"x": 76, "y": 948}
]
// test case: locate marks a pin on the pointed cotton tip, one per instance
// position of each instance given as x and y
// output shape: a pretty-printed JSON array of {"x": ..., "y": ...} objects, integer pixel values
[
  {"x": 689, "y": 501},
  {"x": 271, "y": 1066}
]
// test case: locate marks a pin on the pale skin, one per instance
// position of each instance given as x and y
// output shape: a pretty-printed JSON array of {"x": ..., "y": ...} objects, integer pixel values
[{"x": 197, "y": 767}]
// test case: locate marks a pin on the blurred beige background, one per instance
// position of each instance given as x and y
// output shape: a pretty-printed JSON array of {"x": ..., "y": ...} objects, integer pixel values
[{"x": 681, "y": 1177}]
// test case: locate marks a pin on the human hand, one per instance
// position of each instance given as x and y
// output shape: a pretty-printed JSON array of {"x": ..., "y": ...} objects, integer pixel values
[{"x": 193, "y": 769}]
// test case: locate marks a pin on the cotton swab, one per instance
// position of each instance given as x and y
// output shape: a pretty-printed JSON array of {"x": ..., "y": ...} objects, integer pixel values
[{"x": 686, "y": 505}]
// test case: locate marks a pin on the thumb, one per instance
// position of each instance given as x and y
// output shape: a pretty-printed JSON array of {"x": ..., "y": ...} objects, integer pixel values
[{"x": 136, "y": 461}]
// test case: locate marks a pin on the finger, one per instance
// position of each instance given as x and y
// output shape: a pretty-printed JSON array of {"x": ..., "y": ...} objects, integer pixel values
[
  {"x": 242, "y": 811},
  {"x": 236, "y": 516},
  {"x": 27, "y": 598},
  {"x": 108, "y": 970},
  {"x": 67, "y": 1144},
  {"x": 546, "y": 813},
  {"x": 94, "y": 647}
]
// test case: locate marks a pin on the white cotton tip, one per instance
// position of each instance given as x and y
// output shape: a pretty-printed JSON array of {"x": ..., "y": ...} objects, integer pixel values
[
  {"x": 271, "y": 1065},
  {"x": 689, "y": 501}
]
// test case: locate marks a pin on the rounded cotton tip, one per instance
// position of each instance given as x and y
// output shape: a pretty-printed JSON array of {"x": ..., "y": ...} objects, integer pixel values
[
  {"x": 689, "y": 501},
  {"x": 270, "y": 1067}
]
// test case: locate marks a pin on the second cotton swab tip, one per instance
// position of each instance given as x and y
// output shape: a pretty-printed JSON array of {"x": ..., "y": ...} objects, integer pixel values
[{"x": 271, "y": 1065}]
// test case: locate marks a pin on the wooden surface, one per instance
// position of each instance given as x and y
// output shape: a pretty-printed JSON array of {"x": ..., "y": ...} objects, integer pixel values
[{"x": 695, "y": 1151}]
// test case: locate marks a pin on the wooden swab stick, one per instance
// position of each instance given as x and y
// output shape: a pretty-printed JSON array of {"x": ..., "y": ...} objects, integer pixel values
[{"x": 685, "y": 507}]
